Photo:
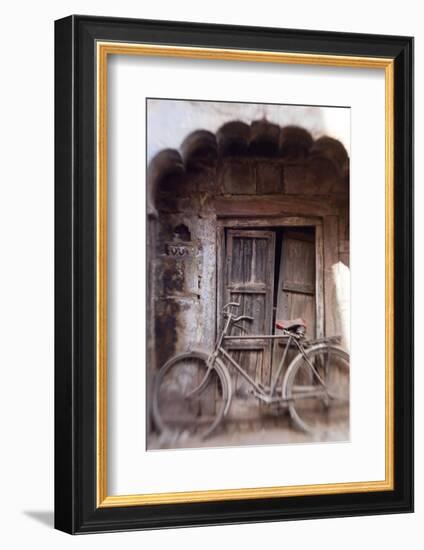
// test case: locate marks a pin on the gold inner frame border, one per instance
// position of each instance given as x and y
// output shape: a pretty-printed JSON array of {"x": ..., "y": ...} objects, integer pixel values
[{"x": 103, "y": 50}]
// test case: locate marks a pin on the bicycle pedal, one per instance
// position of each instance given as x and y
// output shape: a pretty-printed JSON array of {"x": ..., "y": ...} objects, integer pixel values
[{"x": 265, "y": 398}]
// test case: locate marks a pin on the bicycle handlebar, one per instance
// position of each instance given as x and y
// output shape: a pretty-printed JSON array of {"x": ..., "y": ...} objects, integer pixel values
[
  {"x": 235, "y": 304},
  {"x": 236, "y": 319},
  {"x": 243, "y": 318}
]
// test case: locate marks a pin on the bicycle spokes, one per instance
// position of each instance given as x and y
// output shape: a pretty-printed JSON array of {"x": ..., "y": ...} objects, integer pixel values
[
  {"x": 317, "y": 390},
  {"x": 190, "y": 397}
]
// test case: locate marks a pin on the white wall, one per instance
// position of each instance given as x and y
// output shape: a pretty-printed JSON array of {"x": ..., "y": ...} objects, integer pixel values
[
  {"x": 26, "y": 275},
  {"x": 170, "y": 121}
]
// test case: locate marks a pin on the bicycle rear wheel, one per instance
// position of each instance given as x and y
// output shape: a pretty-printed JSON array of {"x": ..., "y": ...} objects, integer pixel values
[
  {"x": 317, "y": 389},
  {"x": 189, "y": 398}
]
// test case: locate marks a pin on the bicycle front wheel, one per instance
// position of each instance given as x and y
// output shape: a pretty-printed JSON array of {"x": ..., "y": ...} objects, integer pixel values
[
  {"x": 316, "y": 387},
  {"x": 189, "y": 397}
]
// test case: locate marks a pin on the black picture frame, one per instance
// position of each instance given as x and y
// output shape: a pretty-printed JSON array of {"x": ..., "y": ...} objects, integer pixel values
[{"x": 76, "y": 509}]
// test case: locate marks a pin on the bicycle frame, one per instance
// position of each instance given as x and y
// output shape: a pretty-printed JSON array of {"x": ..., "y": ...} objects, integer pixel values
[
  {"x": 286, "y": 394},
  {"x": 268, "y": 393}
]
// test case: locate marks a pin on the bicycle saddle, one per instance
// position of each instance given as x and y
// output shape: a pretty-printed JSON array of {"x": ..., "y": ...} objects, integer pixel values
[{"x": 290, "y": 324}]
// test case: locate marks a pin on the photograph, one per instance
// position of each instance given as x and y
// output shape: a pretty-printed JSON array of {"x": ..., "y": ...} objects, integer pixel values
[{"x": 248, "y": 290}]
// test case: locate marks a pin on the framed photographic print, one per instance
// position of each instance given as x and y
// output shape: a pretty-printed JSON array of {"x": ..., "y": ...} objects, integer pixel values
[{"x": 233, "y": 272}]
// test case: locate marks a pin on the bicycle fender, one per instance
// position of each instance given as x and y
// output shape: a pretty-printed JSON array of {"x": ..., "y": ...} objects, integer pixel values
[{"x": 227, "y": 376}]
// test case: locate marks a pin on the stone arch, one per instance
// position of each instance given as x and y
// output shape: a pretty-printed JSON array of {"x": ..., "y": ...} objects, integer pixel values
[{"x": 240, "y": 172}]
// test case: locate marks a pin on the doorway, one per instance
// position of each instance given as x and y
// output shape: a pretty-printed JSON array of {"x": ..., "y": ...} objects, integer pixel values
[{"x": 272, "y": 272}]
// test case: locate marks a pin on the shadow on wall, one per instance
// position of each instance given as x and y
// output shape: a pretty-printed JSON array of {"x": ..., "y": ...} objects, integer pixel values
[{"x": 341, "y": 274}]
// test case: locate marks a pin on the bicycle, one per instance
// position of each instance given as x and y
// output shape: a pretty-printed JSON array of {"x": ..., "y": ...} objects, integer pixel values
[{"x": 316, "y": 382}]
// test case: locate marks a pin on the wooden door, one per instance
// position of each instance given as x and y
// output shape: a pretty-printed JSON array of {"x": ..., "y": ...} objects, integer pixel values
[
  {"x": 296, "y": 282},
  {"x": 249, "y": 280}
]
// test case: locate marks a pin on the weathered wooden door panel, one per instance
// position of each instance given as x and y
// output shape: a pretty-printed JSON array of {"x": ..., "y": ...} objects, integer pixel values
[
  {"x": 249, "y": 281},
  {"x": 297, "y": 283}
]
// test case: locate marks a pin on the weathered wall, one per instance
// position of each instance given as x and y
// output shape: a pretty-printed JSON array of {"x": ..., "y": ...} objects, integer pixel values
[{"x": 237, "y": 176}]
